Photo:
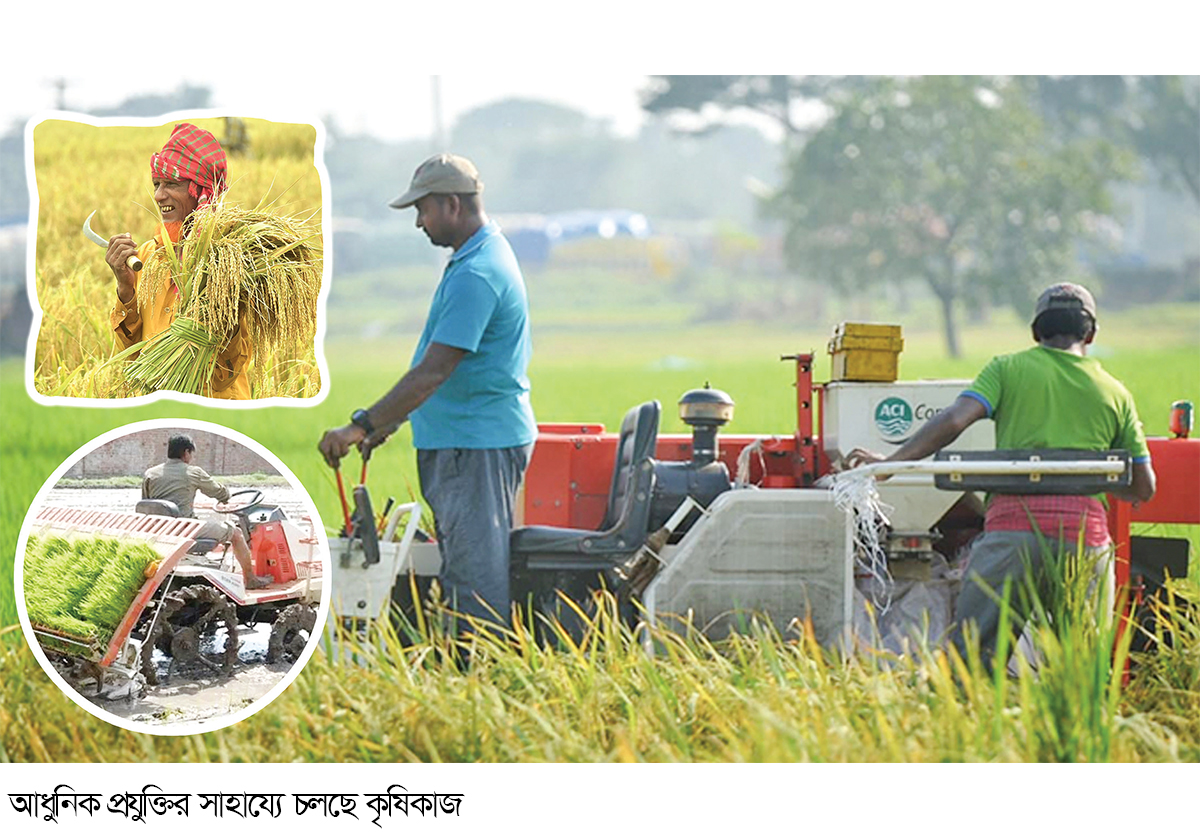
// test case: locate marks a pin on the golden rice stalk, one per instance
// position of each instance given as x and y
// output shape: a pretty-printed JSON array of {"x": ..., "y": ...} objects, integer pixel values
[
  {"x": 182, "y": 359},
  {"x": 235, "y": 268}
]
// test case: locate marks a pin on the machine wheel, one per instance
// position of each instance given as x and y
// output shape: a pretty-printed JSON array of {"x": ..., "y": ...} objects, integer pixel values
[
  {"x": 189, "y": 616},
  {"x": 290, "y": 632}
]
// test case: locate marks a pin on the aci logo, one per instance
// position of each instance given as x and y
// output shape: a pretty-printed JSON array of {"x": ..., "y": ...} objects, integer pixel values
[{"x": 893, "y": 418}]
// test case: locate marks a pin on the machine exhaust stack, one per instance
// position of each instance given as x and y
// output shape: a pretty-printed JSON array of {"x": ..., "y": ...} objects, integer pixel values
[{"x": 705, "y": 410}]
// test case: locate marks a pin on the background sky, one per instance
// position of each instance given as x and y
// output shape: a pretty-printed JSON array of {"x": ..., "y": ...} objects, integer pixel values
[
  {"x": 369, "y": 65},
  {"x": 400, "y": 107}
]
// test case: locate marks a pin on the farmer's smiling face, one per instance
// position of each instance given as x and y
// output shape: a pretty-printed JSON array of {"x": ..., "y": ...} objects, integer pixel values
[{"x": 174, "y": 201}]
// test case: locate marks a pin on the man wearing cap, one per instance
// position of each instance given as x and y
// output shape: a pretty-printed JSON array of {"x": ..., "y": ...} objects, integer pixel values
[
  {"x": 466, "y": 393},
  {"x": 1051, "y": 395},
  {"x": 188, "y": 172}
]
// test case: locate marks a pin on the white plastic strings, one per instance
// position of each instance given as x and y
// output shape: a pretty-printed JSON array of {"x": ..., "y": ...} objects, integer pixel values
[
  {"x": 854, "y": 491},
  {"x": 742, "y": 480}
]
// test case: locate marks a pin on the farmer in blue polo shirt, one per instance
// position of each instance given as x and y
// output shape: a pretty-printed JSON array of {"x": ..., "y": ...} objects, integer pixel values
[{"x": 467, "y": 393}]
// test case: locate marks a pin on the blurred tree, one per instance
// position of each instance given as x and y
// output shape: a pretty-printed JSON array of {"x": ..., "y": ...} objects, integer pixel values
[
  {"x": 366, "y": 173},
  {"x": 952, "y": 180},
  {"x": 539, "y": 157},
  {"x": 536, "y": 156},
  {"x": 1168, "y": 130},
  {"x": 14, "y": 196},
  {"x": 1158, "y": 116},
  {"x": 698, "y": 104},
  {"x": 693, "y": 178}
]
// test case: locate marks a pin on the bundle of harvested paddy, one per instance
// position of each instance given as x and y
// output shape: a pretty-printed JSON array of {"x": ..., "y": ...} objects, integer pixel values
[{"x": 235, "y": 268}]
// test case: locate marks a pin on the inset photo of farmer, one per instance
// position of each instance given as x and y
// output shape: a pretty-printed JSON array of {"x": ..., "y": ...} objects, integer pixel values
[
  {"x": 172, "y": 576},
  {"x": 183, "y": 259}
]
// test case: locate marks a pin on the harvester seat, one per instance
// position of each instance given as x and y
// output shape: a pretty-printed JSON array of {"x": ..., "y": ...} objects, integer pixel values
[
  {"x": 624, "y": 527},
  {"x": 168, "y": 508}
]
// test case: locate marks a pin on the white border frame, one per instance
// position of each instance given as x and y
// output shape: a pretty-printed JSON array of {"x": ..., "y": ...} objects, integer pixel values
[
  {"x": 158, "y": 122},
  {"x": 200, "y": 725}
]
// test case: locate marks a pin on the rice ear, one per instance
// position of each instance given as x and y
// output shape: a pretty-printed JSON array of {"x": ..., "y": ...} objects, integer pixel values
[{"x": 236, "y": 269}]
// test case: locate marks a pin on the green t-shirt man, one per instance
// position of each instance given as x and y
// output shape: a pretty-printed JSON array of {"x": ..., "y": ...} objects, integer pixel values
[
  {"x": 1051, "y": 398},
  {"x": 1051, "y": 395}
]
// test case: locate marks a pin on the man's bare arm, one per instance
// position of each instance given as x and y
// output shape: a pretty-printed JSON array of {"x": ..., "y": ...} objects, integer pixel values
[
  {"x": 416, "y": 386},
  {"x": 387, "y": 414},
  {"x": 1143, "y": 486},
  {"x": 942, "y": 429},
  {"x": 934, "y": 435}
]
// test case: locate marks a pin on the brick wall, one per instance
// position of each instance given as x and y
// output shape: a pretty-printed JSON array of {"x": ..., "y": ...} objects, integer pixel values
[{"x": 133, "y": 454}]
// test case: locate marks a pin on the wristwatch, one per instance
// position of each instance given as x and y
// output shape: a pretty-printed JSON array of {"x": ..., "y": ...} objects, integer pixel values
[{"x": 360, "y": 418}]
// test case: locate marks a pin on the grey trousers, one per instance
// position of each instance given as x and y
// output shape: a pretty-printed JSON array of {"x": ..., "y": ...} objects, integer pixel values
[
  {"x": 998, "y": 557},
  {"x": 217, "y": 526},
  {"x": 472, "y": 494}
]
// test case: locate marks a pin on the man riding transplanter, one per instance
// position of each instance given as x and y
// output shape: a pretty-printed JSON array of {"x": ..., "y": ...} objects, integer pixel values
[{"x": 177, "y": 480}]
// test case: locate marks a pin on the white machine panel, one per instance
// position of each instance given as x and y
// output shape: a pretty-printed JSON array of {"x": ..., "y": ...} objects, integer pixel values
[
  {"x": 883, "y": 416},
  {"x": 783, "y": 553}
]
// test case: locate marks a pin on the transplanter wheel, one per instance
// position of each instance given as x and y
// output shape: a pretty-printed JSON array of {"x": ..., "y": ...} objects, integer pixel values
[
  {"x": 188, "y": 625},
  {"x": 290, "y": 632}
]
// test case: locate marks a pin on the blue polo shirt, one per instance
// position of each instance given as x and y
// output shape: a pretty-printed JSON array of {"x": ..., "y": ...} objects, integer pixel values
[{"x": 479, "y": 306}]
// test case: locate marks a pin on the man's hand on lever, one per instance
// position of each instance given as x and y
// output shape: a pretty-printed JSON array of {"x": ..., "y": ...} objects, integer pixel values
[
  {"x": 337, "y": 442},
  {"x": 373, "y": 441}
]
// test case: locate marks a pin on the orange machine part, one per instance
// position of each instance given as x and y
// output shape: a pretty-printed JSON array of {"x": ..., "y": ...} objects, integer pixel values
[
  {"x": 1177, "y": 469},
  {"x": 270, "y": 552},
  {"x": 570, "y": 474},
  {"x": 1176, "y": 499}
]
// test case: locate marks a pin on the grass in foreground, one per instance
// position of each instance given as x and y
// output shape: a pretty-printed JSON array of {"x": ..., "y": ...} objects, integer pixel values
[{"x": 757, "y": 697}]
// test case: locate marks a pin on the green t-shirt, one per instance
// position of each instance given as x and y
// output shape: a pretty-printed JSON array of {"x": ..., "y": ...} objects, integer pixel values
[{"x": 1049, "y": 398}]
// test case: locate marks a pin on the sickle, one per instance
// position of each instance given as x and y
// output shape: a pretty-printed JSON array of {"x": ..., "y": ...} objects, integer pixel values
[{"x": 133, "y": 261}]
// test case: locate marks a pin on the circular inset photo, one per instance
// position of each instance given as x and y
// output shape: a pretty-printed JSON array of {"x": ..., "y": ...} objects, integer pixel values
[{"x": 172, "y": 576}]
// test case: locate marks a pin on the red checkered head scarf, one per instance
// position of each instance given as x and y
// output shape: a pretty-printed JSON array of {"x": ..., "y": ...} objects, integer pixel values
[{"x": 192, "y": 154}]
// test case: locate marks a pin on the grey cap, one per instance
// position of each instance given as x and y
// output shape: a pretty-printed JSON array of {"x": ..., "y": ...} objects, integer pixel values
[
  {"x": 442, "y": 174},
  {"x": 1066, "y": 296}
]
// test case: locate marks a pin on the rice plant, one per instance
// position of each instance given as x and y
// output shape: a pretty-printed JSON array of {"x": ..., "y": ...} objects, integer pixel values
[
  {"x": 84, "y": 587},
  {"x": 252, "y": 270},
  {"x": 75, "y": 289},
  {"x": 761, "y": 696}
]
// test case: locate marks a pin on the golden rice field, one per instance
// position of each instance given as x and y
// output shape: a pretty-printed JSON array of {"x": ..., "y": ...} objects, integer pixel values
[
  {"x": 82, "y": 168},
  {"x": 758, "y": 696}
]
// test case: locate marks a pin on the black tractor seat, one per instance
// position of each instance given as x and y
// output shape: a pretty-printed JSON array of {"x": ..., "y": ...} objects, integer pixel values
[{"x": 622, "y": 532}]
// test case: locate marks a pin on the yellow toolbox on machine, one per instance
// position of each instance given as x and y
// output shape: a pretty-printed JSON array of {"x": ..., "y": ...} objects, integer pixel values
[{"x": 865, "y": 352}]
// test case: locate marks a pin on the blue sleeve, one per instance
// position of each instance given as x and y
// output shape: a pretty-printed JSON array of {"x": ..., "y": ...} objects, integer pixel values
[
  {"x": 979, "y": 397},
  {"x": 468, "y": 304}
]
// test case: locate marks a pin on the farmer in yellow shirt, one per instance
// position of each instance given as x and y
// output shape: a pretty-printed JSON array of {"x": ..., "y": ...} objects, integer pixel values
[{"x": 188, "y": 172}]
